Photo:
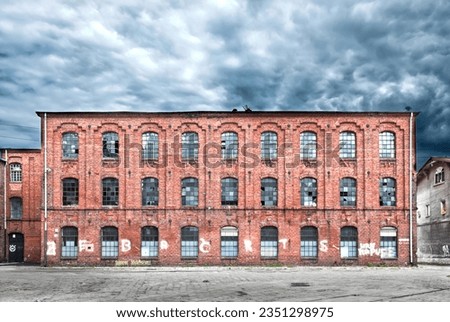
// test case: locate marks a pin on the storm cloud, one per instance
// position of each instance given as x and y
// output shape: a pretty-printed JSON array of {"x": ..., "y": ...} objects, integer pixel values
[{"x": 220, "y": 55}]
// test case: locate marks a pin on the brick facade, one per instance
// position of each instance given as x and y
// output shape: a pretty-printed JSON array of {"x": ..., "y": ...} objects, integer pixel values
[{"x": 88, "y": 216}]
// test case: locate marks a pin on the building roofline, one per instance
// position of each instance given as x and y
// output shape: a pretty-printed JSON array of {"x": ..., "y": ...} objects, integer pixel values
[
  {"x": 25, "y": 150},
  {"x": 240, "y": 113},
  {"x": 435, "y": 159}
]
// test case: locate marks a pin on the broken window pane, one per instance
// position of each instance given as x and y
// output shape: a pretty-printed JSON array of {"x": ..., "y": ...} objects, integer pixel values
[
  {"x": 110, "y": 145},
  {"x": 229, "y": 191},
  {"x": 150, "y": 192},
  {"x": 308, "y": 188},
  {"x": 110, "y": 192},
  {"x": 347, "y": 188},
  {"x": 70, "y": 145},
  {"x": 189, "y": 192},
  {"x": 269, "y": 192},
  {"x": 229, "y": 146},
  {"x": 387, "y": 192}
]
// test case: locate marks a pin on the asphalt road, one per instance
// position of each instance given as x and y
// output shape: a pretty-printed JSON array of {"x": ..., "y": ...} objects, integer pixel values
[{"x": 224, "y": 284}]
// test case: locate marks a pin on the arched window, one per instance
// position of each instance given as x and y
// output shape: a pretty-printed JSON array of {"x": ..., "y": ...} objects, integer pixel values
[
  {"x": 150, "y": 192},
  {"x": 308, "y": 188},
  {"x": 308, "y": 146},
  {"x": 347, "y": 145},
  {"x": 70, "y": 192},
  {"x": 387, "y": 192},
  {"x": 229, "y": 242},
  {"x": 110, "y": 242},
  {"x": 149, "y": 241},
  {"x": 309, "y": 242},
  {"x": 347, "y": 187},
  {"x": 15, "y": 170},
  {"x": 189, "y": 146},
  {"x": 110, "y": 142},
  {"x": 269, "y": 192},
  {"x": 189, "y": 242},
  {"x": 229, "y": 143},
  {"x": 269, "y": 146},
  {"x": 150, "y": 146},
  {"x": 69, "y": 248},
  {"x": 349, "y": 242},
  {"x": 110, "y": 192},
  {"x": 388, "y": 242},
  {"x": 387, "y": 145},
  {"x": 269, "y": 242},
  {"x": 189, "y": 192},
  {"x": 70, "y": 145},
  {"x": 229, "y": 191}
]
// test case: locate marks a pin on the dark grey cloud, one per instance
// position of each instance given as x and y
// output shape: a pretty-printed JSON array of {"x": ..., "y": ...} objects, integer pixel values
[{"x": 218, "y": 55}]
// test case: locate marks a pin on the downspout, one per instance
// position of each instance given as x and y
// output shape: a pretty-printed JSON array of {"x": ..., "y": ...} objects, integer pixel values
[
  {"x": 4, "y": 204},
  {"x": 411, "y": 258},
  {"x": 45, "y": 189}
]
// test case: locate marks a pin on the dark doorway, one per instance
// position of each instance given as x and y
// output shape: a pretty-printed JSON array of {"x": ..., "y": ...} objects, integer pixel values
[{"x": 15, "y": 249}]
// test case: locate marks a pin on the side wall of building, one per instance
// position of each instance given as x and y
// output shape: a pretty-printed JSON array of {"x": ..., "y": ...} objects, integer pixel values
[{"x": 2, "y": 210}]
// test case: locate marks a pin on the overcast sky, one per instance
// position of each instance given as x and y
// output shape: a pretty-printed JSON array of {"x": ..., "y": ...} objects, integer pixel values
[{"x": 218, "y": 55}]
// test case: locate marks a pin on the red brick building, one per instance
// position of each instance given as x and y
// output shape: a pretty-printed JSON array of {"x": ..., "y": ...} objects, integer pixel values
[{"x": 224, "y": 188}]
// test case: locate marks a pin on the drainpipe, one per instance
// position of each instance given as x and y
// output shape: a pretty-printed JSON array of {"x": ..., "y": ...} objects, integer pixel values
[
  {"x": 4, "y": 204},
  {"x": 411, "y": 258},
  {"x": 45, "y": 189}
]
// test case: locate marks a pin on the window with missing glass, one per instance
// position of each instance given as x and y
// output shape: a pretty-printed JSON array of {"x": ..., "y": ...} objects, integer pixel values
[
  {"x": 189, "y": 146},
  {"x": 308, "y": 242},
  {"x": 269, "y": 192},
  {"x": 229, "y": 242},
  {"x": 347, "y": 187},
  {"x": 110, "y": 142},
  {"x": 439, "y": 176},
  {"x": 16, "y": 207},
  {"x": 387, "y": 145},
  {"x": 189, "y": 242},
  {"x": 229, "y": 191},
  {"x": 189, "y": 192},
  {"x": 347, "y": 145},
  {"x": 70, "y": 145},
  {"x": 269, "y": 242},
  {"x": 349, "y": 242},
  {"x": 150, "y": 146},
  {"x": 149, "y": 241},
  {"x": 110, "y": 242},
  {"x": 229, "y": 146},
  {"x": 15, "y": 171},
  {"x": 269, "y": 146},
  {"x": 387, "y": 192},
  {"x": 308, "y": 188},
  {"x": 110, "y": 192},
  {"x": 69, "y": 248},
  {"x": 70, "y": 192},
  {"x": 150, "y": 192},
  {"x": 388, "y": 242},
  {"x": 308, "y": 146}
]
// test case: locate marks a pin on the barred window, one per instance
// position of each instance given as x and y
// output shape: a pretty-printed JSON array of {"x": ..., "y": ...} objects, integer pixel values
[
  {"x": 388, "y": 242},
  {"x": 149, "y": 241},
  {"x": 110, "y": 192},
  {"x": 69, "y": 248},
  {"x": 347, "y": 188},
  {"x": 269, "y": 146},
  {"x": 387, "y": 192},
  {"x": 110, "y": 145},
  {"x": 229, "y": 191},
  {"x": 110, "y": 242},
  {"x": 189, "y": 146},
  {"x": 269, "y": 242},
  {"x": 189, "y": 242},
  {"x": 150, "y": 192},
  {"x": 349, "y": 242},
  {"x": 229, "y": 146},
  {"x": 309, "y": 242},
  {"x": 229, "y": 242},
  {"x": 347, "y": 145},
  {"x": 439, "y": 175},
  {"x": 387, "y": 145},
  {"x": 269, "y": 192},
  {"x": 70, "y": 145},
  {"x": 16, "y": 207},
  {"x": 70, "y": 192},
  {"x": 189, "y": 192},
  {"x": 15, "y": 172},
  {"x": 308, "y": 188},
  {"x": 308, "y": 146},
  {"x": 150, "y": 146}
]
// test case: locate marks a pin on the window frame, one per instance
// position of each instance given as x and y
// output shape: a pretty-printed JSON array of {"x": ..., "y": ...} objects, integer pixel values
[
  {"x": 70, "y": 145},
  {"x": 15, "y": 172},
  {"x": 229, "y": 146},
  {"x": 151, "y": 240},
  {"x": 387, "y": 145},
  {"x": 109, "y": 251},
  {"x": 269, "y": 146},
  {"x": 439, "y": 176},
  {"x": 16, "y": 208},
  {"x": 387, "y": 186},
  {"x": 191, "y": 183},
  {"x": 347, "y": 145},
  {"x": 68, "y": 237},
  {"x": 229, "y": 242},
  {"x": 66, "y": 190},
  {"x": 304, "y": 199},
  {"x": 309, "y": 243},
  {"x": 150, "y": 146},
  {"x": 110, "y": 145},
  {"x": 269, "y": 247},
  {"x": 307, "y": 153},
  {"x": 113, "y": 198},
  {"x": 189, "y": 146},
  {"x": 189, "y": 251},
  {"x": 149, "y": 197},
  {"x": 345, "y": 240},
  {"x": 229, "y": 185},
  {"x": 388, "y": 241},
  {"x": 352, "y": 192}
]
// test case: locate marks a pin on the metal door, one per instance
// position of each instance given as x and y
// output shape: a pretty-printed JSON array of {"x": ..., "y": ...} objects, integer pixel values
[{"x": 15, "y": 249}]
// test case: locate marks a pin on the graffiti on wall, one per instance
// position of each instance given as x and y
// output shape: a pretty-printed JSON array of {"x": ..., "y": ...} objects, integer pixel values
[
  {"x": 205, "y": 246},
  {"x": 86, "y": 246}
]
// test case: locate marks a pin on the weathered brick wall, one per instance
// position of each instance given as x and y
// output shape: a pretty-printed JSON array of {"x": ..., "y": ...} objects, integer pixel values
[{"x": 169, "y": 216}]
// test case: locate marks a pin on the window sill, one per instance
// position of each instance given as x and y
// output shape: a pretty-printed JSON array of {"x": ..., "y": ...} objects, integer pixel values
[
  {"x": 269, "y": 258},
  {"x": 69, "y": 258},
  {"x": 349, "y": 258},
  {"x": 388, "y": 207},
  {"x": 150, "y": 258},
  {"x": 189, "y": 258},
  {"x": 389, "y": 259},
  {"x": 438, "y": 184},
  {"x": 70, "y": 206},
  {"x": 108, "y": 258},
  {"x": 309, "y": 259},
  {"x": 388, "y": 160},
  {"x": 188, "y": 207},
  {"x": 229, "y": 258},
  {"x": 69, "y": 159},
  {"x": 229, "y": 206},
  {"x": 15, "y": 219}
]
